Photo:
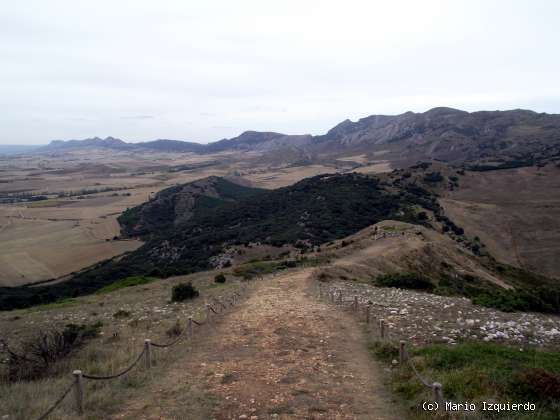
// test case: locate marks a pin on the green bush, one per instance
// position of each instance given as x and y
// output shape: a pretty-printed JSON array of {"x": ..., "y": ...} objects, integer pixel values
[
  {"x": 518, "y": 300},
  {"x": 220, "y": 278},
  {"x": 183, "y": 291},
  {"x": 404, "y": 281}
]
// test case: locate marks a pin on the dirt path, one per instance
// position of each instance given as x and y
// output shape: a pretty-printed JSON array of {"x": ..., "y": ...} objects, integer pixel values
[{"x": 281, "y": 354}]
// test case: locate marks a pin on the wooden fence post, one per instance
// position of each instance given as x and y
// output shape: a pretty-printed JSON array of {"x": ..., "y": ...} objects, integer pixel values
[
  {"x": 382, "y": 328},
  {"x": 208, "y": 314},
  {"x": 340, "y": 297},
  {"x": 438, "y": 395},
  {"x": 402, "y": 352},
  {"x": 368, "y": 310},
  {"x": 78, "y": 391},
  {"x": 355, "y": 303},
  {"x": 190, "y": 331},
  {"x": 148, "y": 350}
]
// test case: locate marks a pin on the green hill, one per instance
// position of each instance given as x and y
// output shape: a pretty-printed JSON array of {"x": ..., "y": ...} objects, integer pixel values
[{"x": 311, "y": 212}]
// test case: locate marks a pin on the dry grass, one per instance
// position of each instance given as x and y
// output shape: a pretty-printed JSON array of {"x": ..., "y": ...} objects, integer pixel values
[
  {"x": 516, "y": 214},
  {"x": 151, "y": 316}
]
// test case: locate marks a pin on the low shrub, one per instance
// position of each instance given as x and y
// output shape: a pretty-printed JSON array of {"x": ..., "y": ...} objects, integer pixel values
[
  {"x": 522, "y": 299},
  {"x": 384, "y": 350},
  {"x": 404, "y": 281},
  {"x": 183, "y": 291},
  {"x": 477, "y": 371},
  {"x": 34, "y": 357},
  {"x": 220, "y": 278},
  {"x": 175, "y": 330},
  {"x": 254, "y": 269},
  {"x": 121, "y": 313},
  {"x": 536, "y": 383},
  {"x": 433, "y": 177}
]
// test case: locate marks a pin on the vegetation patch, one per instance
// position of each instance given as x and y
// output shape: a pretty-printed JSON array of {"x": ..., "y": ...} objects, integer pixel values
[
  {"x": 121, "y": 313},
  {"x": 531, "y": 292},
  {"x": 404, "y": 281},
  {"x": 35, "y": 357},
  {"x": 175, "y": 330},
  {"x": 220, "y": 278},
  {"x": 126, "y": 282},
  {"x": 183, "y": 291},
  {"x": 477, "y": 372},
  {"x": 254, "y": 269},
  {"x": 61, "y": 303}
]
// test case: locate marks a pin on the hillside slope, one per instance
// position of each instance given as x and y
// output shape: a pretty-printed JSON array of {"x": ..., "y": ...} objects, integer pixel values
[
  {"x": 515, "y": 212},
  {"x": 309, "y": 213},
  {"x": 450, "y": 135},
  {"x": 174, "y": 206},
  {"x": 434, "y": 262}
]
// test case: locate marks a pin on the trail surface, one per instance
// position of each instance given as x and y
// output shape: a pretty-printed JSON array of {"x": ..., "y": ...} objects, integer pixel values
[{"x": 281, "y": 354}]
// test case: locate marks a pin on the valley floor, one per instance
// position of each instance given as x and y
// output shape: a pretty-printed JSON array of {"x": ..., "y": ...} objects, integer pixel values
[{"x": 281, "y": 354}]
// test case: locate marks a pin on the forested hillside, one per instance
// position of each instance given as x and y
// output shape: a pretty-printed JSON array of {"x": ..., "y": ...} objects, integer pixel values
[{"x": 311, "y": 212}]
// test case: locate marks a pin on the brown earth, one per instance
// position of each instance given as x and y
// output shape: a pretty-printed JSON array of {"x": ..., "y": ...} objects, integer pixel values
[
  {"x": 282, "y": 354},
  {"x": 515, "y": 212}
]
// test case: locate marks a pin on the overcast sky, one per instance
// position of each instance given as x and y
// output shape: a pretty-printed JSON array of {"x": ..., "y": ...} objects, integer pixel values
[{"x": 205, "y": 70}]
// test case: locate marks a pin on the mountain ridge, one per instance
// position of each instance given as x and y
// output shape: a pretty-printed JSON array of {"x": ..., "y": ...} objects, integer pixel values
[{"x": 441, "y": 133}]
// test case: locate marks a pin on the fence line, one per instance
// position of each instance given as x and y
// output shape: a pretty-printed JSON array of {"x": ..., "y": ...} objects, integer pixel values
[
  {"x": 57, "y": 402},
  {"x": 78, "y": 384},
  {"x": 336, "y": 297},
  {"x": 116, "y": 375}
]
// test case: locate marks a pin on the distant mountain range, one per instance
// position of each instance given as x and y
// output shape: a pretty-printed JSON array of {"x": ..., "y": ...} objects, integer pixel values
[
  {"x": 161, "y": 145},
  {"x": 14, "y": 149},
  {"x": 445, "y": 134}
]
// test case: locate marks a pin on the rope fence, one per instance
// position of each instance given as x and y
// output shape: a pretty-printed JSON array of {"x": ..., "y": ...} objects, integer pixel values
[
  {"x": 116, "y": 375},
  {"x": 57, "y": 402},
  {"x": 357, "y": 306},
  {"x": 77, "y": 383}
]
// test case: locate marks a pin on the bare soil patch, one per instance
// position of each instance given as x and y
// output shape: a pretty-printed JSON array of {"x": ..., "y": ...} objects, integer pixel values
[{"x": 282, "y": 354}]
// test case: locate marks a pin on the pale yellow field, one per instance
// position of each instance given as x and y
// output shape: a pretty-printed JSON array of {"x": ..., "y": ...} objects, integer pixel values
[
  {"x": 47, "y": 239},
  {"x": 355, "y": 158},
  {"x": 375, "y": 168},
  {"x": 271, "y": 179},
  {"x": 33, "y": 248}
]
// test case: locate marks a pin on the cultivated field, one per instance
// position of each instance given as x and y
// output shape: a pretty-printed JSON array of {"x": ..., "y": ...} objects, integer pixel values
[{"x": 76, "y": 225}]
